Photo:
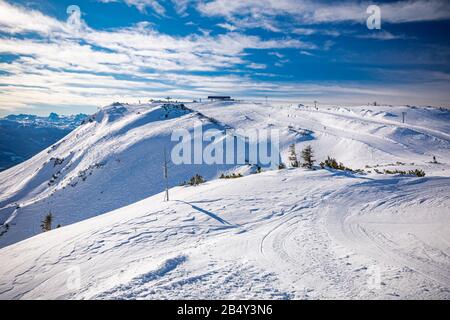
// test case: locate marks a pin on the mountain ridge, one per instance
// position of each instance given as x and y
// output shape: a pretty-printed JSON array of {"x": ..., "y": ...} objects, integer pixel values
[{"x": 24, "y": 135}]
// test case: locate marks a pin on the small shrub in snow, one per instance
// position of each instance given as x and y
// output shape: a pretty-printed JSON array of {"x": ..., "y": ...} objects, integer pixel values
[
  {"x": 333, "y": 164},
  {"x": 57, "y": 161},
  {"x": 53, "y": 179},
  {"x": 330, "y": 163},
  {"x": 416, "y": 172},
  {"x": 231, "y": 176},
  {"x": 293, "y": 156},
  {"x": 194, "y": 181},
  {"x": 281, "y": 166}
]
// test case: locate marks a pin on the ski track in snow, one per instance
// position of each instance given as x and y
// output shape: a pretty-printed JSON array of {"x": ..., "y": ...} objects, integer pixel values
[{"x": 427, "y": 243}]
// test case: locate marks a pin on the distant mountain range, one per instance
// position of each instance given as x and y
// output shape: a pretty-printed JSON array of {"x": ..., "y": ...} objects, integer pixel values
[{"x": 24, "y": 135}]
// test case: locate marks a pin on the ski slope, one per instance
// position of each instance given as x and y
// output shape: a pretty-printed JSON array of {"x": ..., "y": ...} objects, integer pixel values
[
  {"x": 281, "y": 234},
  {"x": 289, "y": 234},
  {"x": 115, "y": 159}
]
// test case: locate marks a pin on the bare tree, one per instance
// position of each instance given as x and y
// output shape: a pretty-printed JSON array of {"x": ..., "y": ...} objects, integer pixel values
[{"x": 166, "y": 175}]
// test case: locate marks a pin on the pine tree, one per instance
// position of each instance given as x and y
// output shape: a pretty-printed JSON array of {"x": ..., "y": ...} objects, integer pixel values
[
  {"x": 47, "y": 223},
  {"x": 293, "y": 156},
  {"x": 308, "y": 157}
]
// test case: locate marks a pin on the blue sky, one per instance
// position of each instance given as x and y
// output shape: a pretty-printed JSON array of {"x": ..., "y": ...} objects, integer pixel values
[{"x": 55, "y": 59}]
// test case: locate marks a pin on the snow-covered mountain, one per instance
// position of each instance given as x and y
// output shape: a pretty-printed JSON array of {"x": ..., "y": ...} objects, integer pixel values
[
  {"x": 54, "y": 120},
  {"x": 22, "y": 136},
  {"x": 290, "y": 233}
]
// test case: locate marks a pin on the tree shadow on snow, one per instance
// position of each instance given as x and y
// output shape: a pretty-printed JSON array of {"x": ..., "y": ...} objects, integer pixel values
[{"x": 209, "y": 213}]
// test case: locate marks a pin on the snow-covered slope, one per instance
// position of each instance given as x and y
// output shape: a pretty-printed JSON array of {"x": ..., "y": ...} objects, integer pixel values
[
  {"x": 288, "y": 234},
  {"x": 280, "y": 234},
  {"x": 113, "y": 160},
  {"x": 116, "y": 158}
]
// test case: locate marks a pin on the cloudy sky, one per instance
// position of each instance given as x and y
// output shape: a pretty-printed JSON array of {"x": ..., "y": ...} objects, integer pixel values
[{"x": 54, "y": 57}]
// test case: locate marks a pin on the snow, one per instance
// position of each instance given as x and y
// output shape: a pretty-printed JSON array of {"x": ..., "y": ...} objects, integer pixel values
[
  {"x": 280, "y": 234},
  {"x": 53, "y": 120},
  {"x": 23, "y": 136}
]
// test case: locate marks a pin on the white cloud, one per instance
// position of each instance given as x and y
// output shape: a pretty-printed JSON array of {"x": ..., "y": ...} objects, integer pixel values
[
  {"x": 67, "y": 67},
  {"x": 306, "y": 53},
  {"x": 304, "y": 31},
  {"x": 415, "y": 11},
  {"x": 256, "y": 66},
  {"x": 227, "y": 26},
  {"x": 277, "y": 54},
  {"x": 14, "y": 19},
  {"x": 155, "y": 6},
  {"x": 93, "y": 67},
  {"x": 142, "y": 5},
  {"x": 309, "y": 32},
  {"x": 181, "y": 6},
  {"x": 263, "y": 13},
  {"x": 381, "y": 35}
]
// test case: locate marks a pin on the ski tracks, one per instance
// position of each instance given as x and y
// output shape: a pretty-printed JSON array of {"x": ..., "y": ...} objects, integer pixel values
[
  {"x": 298, "y": 245},
  {"x": 394, "y": 229}
]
